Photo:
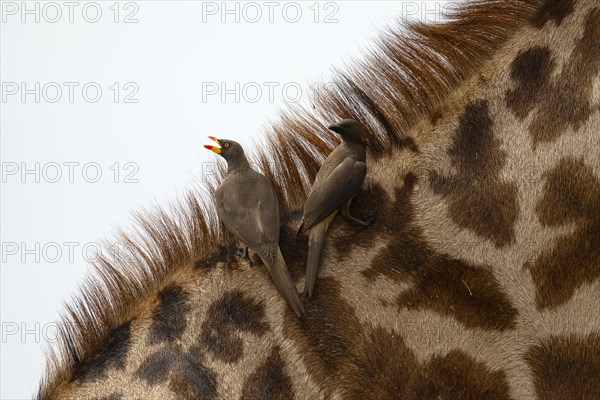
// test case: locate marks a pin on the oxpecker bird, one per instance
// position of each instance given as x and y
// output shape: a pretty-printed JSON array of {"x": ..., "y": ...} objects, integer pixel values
[
  {"x": 248, "y": 206},
  {"x": 338, "y": 181}
]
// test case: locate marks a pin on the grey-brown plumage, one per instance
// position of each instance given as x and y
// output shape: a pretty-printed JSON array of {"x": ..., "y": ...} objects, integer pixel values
[
  {"x": 248, "y": 206},
  {"x": 338, "y": 181}
]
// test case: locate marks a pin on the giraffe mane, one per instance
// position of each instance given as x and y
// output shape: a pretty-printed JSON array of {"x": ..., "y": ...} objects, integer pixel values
[{"x": 407, "y": 76}]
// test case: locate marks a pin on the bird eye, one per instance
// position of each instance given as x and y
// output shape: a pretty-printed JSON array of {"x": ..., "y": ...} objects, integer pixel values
[{"x": 226, "y": 145}]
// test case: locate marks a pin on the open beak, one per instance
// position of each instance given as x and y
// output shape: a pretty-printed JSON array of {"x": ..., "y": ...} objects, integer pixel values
[{"x": 213, "y": 148}]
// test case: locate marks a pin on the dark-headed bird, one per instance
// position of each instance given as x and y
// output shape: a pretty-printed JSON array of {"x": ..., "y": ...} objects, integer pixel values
[
  {"x": 338, "y": 181},
  {"x": 248, "y": 206}
]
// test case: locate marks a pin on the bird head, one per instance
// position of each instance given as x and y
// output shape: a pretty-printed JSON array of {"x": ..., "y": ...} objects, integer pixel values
[
  {"x": 350, "y": 130},
  {"x": 228, "y": 149}
]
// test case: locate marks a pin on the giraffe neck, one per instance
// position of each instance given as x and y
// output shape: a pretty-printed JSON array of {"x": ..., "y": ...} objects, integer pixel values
[{"x": 479, "y": 277}]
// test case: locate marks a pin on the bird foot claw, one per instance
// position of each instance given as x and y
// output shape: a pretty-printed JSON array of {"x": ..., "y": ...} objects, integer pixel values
[
  {"x": 367, "y": 222},
  {"x": 243, "y": 253}
]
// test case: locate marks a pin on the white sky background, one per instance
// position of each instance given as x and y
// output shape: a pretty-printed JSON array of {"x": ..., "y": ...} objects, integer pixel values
[{"x": 148, "y": 152}]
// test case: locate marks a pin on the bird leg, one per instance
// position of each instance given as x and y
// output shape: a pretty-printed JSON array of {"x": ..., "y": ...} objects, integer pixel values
[
  {"x": 346, "y": 214},
  {"x": 243, "y": 252}
]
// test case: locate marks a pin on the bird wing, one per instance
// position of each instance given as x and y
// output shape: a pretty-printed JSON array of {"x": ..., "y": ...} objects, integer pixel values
[
  {"x": 250, "y": 210},
  {"x": 337, "y": 156},
  {"x": 268, "y": 209},
  {"x": 333, "y": 191}
]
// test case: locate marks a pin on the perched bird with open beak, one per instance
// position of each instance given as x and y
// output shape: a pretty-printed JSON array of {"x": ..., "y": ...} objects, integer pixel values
[
  {"x": 338, "y": 181},
  {"x": 248, "y": 206}
]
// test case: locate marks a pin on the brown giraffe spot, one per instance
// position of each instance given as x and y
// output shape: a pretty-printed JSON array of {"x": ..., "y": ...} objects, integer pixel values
[
  {"x": 232, "y": 312},
  {"x": 329, "y": 326},
  {"x": 566, "y": 368},
  {"x": 269, "y": 381},
  {"x": 170, "y": 317},
  {"x": 565, "y": 101},
  {"x": 452, "y": 287},
  {"x": 188, "y": 377},
  {"x": 294, "y": 248},
  {"x": 191, "y": 379},
  {"x": 435, "y": 115},
  {"x": 531, "y": 69},
  {"x": 360, "y": 361},
  {"x": 366, "y": 205},
  {"x": 155, "y": 369},
  {"x": 453, "y": 376},
  {"x": 111, "y": 353},
  {"x": 457, "y": 375},
  {"x": 552, "y": 9},
  {"x": 326, "y": 336},
  {"x": 477, "y": 199},
  {"x": 223, "y": 254},
  {"x": 571, "y": 195},
  {"x": 113, "y": 396},
  {"x": 223, "y": 343}
]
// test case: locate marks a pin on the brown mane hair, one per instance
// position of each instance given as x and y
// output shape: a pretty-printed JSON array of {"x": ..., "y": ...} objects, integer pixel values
[{"x": 404, "y": 78}]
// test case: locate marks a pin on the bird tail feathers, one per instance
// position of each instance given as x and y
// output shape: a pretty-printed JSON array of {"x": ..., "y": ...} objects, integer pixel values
[
  {"x": 285, "y": 283},
  {"x": 315, "y": 247}
]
